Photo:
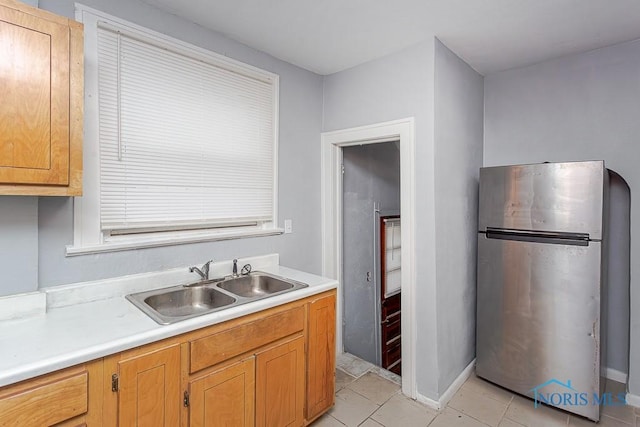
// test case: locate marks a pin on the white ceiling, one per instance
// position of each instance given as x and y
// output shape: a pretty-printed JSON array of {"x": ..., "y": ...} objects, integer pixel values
[{"x": 327, "y": 36}]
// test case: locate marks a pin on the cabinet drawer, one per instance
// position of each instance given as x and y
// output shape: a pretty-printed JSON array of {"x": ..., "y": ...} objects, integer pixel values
[
  {"x": 216, "y": 348},
  {"x": 46, "y": 403}
]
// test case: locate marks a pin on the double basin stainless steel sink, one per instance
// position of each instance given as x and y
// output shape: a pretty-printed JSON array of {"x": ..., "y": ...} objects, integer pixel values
[{"x": 170, "y": 305}]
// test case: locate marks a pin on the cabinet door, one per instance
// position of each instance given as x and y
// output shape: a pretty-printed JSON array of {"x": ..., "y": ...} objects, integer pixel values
[
  {"x": 321, "y": 356},
  {"x": 225, "y": 397},
  {"x": 34, "y": 112},
  {"x": 149, "y": 389},
  {"x": 280, "y": 385}
]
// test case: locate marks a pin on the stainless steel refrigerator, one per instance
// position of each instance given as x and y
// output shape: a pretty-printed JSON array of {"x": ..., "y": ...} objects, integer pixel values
[{"x": 541, "y": 270}]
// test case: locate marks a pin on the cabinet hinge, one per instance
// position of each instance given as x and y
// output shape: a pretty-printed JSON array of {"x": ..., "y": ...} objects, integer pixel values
[
  {"x": 185, "y": 401},
  {"x": 342, "y": 167},
  {"x": 114, "y": 382}
]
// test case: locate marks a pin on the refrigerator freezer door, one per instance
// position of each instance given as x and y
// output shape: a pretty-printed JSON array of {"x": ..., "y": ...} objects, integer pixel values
[
  {"x": 560, "y": 197},
  {"x": 538, "y": 317}
]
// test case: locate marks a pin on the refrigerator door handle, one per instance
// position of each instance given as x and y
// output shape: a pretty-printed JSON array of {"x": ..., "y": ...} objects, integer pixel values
[{"x": 574, "y": 239}]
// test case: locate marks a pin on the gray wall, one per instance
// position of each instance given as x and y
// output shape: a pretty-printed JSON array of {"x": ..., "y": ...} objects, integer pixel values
[
  {"x": 459, "y": 107},
  {"x": 371, "y": 175},
  {"x": 299, "y": 180},
  {"x": 18, "y": 244},
  {"x": 448, "y": 155},
  {"x": 618, "y": 274},
  {"x": 394, "y": 87},
  {"x": 580, "y": 107}
]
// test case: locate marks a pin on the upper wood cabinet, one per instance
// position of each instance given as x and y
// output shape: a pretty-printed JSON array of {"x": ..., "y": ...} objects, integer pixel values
[{"x": 41, "y": 111}]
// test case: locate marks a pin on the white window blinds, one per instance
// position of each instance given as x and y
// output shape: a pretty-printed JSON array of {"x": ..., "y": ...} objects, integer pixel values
[{"x": 185, "y": 142}]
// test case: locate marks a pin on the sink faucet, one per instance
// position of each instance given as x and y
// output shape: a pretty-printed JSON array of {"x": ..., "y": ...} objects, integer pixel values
[
  {"x": 235, "y": 268},
  {"x": 202, "y": 271}
]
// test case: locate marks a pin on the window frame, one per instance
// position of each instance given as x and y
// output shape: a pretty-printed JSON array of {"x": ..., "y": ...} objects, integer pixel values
[{"x": 88, "y": 237}]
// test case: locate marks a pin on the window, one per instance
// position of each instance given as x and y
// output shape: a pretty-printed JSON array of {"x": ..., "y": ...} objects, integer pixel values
[{"x": 180, "y": 143}]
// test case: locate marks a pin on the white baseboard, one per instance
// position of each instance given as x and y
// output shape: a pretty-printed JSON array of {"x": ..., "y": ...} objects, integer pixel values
[
  {"x": 633, "y": 400},
  {"x": 448, "y": 394},
  {"x": 433, "y": 404},
  {"x": 615, "y": 375},
  {"x": 610, "y": 373}
]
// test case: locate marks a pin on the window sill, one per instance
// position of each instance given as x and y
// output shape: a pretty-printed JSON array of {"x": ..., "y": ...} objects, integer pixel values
[{"x": 140, "y": 242}]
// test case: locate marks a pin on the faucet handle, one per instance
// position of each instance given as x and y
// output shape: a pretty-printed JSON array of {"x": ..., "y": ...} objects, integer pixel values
[
  {"x": 246, "y": 269},
  {"x": 235, "y": 267}
]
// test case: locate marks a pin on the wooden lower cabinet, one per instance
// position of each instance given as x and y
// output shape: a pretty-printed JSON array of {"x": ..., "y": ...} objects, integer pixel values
[
  {"x": 321, "y": 355},
  {"x": 277, "y": 369},
  {"x": 225, "y": 397},
  {"x": 280, "y": 385},
  {"x": 148, "y": 387}
]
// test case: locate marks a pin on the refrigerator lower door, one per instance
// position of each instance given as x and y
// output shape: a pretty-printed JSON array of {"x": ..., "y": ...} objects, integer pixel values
[{"x": 538, "y": 320}]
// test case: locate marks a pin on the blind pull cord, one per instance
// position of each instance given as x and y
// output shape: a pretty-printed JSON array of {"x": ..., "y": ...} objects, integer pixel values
[{"x": 118, "y": 86}]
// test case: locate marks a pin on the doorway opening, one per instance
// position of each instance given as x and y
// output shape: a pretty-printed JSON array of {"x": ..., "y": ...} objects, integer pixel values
[
  {"x": 333, "y": 143},
  {"x": 371, "y": 264}
]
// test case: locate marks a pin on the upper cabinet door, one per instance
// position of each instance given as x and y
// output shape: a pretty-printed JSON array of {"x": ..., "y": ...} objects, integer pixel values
[{"x": 40, "y": 82}]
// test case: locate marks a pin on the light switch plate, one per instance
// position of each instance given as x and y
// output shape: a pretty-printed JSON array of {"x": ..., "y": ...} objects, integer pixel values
[{"x": 288, "y": 228}]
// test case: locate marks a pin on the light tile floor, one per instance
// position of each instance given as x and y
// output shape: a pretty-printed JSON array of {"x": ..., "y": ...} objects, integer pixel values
[{"x": 368, "y": 396}]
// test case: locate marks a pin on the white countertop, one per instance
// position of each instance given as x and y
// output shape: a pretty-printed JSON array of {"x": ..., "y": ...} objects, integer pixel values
[{"x": 73, "y": 334}]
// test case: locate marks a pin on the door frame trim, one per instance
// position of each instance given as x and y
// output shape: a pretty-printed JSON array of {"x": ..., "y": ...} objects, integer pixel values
[{"x": 331, "y": 206}]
